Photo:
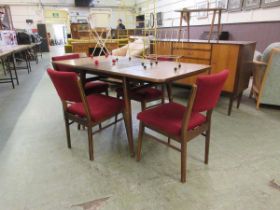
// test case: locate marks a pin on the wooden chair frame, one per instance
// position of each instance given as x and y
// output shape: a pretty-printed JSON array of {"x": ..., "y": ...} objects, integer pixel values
[
  {"x": 260, "y": 74},
  {"x": 87, "y": 122},
  {"x": 185, "y": 137}
]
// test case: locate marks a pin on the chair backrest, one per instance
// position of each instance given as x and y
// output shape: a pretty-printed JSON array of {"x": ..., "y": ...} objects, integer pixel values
[
  {"x": 60, "y": 67},
  {"x": 66, "y": 85},
  {"x": 209, "y": 88},
  {"x": 267, "y": 52}
]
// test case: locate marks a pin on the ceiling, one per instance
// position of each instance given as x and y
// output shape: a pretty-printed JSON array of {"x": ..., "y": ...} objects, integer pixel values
[{"x": 65, "y": 3}]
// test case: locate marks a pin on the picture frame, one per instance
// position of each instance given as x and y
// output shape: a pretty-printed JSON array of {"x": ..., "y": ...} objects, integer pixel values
[
  {"x": 234, "y": 5},
  {"x": 202, "y": 5},
  {"x": 218, "y": 4},
  {"x": 251, "y": 4},
  {"x": 270, "y": 3}
]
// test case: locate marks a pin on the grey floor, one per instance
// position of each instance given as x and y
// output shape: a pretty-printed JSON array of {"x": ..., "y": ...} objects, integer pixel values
[{"x": 38, "y": 172}]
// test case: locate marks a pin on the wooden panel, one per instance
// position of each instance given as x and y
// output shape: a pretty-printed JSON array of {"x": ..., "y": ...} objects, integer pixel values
[
  {"x": 225, "y": 57},
  {"x": 84, "y": 47},
  {"x": 193, "y": 46},
  {"x": 163, "y": 48},
  {"x": 246, "y": 54},
  {"x": 200, "y": 54}
]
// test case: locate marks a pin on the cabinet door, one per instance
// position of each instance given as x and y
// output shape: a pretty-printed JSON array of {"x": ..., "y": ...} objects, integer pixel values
[{"x": 225, "y": 57}]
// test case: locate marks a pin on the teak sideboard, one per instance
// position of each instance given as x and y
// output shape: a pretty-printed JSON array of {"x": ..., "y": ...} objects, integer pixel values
[{"x": 236, "y": 56}]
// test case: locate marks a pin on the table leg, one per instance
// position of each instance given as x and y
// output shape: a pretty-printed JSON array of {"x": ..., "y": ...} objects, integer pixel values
[
  {"x": 10, "y": 72},
  {"x": 128, "y": 117},
  {"x": 15, "y": 68},
  {"x": 169, "y": 91}
]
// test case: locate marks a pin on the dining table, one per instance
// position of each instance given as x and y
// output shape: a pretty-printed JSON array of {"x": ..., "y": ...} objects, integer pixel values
[{"x": 132, "y": 69}]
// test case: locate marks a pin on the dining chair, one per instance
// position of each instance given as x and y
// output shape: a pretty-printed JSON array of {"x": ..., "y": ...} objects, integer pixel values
[
  {"x": 88, "y": 110},
  {"x": 92, "y": 85},
  {"x": 183, "y": 123}
]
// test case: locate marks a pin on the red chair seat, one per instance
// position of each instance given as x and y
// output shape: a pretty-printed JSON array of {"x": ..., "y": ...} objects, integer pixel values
[
  {"x": 143, "y": 94},
  {"x": 100, "y": 106},
  {"x": 96, "y": 86},
  {"x": 169, "y": 117}
]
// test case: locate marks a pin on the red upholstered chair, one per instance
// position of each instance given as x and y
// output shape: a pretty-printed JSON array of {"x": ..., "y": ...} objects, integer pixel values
[
  {"x": 86, "y": 110},
  {"x": 182, "y": 123},
  {"x": 91, "y": 85}
]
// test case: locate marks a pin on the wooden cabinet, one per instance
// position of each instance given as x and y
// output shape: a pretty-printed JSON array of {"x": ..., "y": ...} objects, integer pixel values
[
  {"x": 84, "y": 46},
  {"x": 79, "y": 30},
  {"x": 232, "y": 55}
]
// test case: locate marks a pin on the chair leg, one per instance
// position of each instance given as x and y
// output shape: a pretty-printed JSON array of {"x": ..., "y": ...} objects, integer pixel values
[
  {"x": 116, "y": 117},
  {"x": 251, "y": 92},
  {"x": 100, "y": 126},
  {"x": 67, "y": 132},
  {"x": 207, "y": 143},
  {"x": 107, "y": 93},
  {"x": 143, "y": 105},
  {"x": 183, "y": 161},
  {"x": 90, "y": 143},
  {"x": 140, "y": 138},
  {"x": 162, "y": 99},
  {"x": 168, "y": 140}
]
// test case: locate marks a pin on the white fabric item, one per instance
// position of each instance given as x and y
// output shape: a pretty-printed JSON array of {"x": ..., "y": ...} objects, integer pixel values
[
  {"x": 137, "y": 47},
  {"x": 122, "y": 51}
]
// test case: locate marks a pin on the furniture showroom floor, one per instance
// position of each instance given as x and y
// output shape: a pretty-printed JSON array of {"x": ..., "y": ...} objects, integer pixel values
[{"x": 37, "y": 171}]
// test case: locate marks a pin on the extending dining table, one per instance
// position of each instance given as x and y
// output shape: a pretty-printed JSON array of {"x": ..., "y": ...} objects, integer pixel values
[{"x": 128, "y": 70}]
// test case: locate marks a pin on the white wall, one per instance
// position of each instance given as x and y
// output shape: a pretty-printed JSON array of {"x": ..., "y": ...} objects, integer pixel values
[
  {"x": 33, "y": 9},
  {"x": 171, "y": 18},
  {"x": 21, "y": 12}
]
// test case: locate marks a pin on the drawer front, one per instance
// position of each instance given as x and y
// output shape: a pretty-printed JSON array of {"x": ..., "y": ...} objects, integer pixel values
[
  {"x": 193, "y": 46},
  {"x": 187, "y": 53},
  {"x": 192, "y": 60}
]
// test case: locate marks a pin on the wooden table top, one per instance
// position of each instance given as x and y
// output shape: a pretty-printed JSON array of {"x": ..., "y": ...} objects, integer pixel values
[
  {"x": 158, "y": 73},
  {"x": 6, "y": 50}
]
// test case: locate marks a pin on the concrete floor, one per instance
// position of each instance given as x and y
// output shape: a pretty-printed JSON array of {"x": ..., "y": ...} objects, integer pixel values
[{"x": 37, "y": 171}]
